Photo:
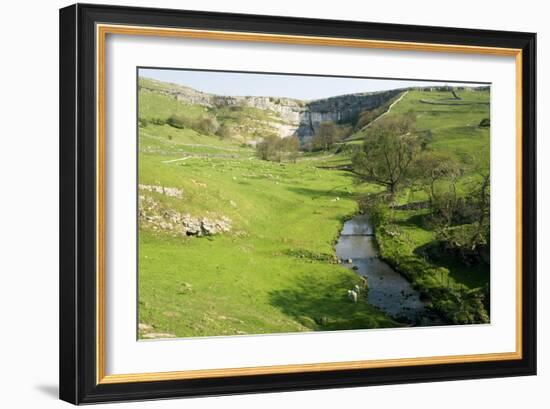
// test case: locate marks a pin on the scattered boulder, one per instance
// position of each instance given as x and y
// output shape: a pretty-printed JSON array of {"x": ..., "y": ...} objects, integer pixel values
[
  {"x": 151, "y": 214},
  {"x": 204, "y": 226},
  {"x": 146, "y": 331},
  {"x": 145, "y": 327}
]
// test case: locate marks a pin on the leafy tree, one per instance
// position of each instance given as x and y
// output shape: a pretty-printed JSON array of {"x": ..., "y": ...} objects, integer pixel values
[
  {"x": 207, "y": 125},
  {"x": 389, "y": 152},
  {"x": 143, "y": 122},
  {"x": 266, "y": 148},
  {"x": 368, "y": 116},
  {"x": 177, "y": 121},
  {"x": 328, "y": 134},
  {"x": 274, "y": 148},
  {"x": 225, "y": 131},
  {"x": 462, "y": 223},
  {"x": 289, "y": 148},
  {"x": 480, "y": 194},
  {"x": 436, "y": 172}
]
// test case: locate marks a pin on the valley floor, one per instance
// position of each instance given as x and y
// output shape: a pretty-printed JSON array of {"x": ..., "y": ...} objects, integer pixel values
[{"x": 273, "y": 269}]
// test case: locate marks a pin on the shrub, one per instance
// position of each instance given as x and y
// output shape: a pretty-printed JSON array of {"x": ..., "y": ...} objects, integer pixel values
[
  {"x": 143, "y": 122},
  {"x": 485, "y": 122},
  {"x": 277, "y": 149},
  {"x": 367, "y": 117},
  {"x": 453, "y": 302},
  {"x": 206, "y": 125},
  {"x": 379, "y": 214},
  {"x": 328, "y": 134},
  {"x": 225, "y": 131},
  {"x": 158, "y": 121},
  {"x": 176, "y": 121}
]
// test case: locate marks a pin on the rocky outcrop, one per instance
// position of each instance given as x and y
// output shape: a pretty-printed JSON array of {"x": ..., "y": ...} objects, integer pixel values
[
  {"x": 343, "y": 108},
  {"x": 293, "y": 116},
  {"x": 168, "y": 191},
  {"x": 204, "y": 226},
  {"x": 154, "y": 216}
]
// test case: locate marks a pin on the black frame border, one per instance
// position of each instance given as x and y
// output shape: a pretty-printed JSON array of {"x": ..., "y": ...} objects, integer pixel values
[{"x": 78, "y": 210}]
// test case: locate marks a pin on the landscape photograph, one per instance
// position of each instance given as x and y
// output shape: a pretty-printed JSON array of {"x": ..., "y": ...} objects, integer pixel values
[{"x": 284, "y": 203}]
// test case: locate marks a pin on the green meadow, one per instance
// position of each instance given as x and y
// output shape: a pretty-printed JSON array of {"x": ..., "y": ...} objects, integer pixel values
[{"x": 275, "y": 270}]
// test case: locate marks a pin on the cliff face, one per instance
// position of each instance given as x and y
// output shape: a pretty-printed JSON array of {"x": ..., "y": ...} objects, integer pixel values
[
  {"x": 297, "y": 117},
  {"x": 343, "y": 108}
]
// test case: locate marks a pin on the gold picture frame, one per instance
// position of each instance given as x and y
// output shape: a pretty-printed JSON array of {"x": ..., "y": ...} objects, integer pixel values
[{"x": 98, "y": 20}]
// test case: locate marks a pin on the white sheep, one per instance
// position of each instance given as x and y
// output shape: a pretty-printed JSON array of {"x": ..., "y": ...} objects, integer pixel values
[
  {"x": 357, "y": 289},
  {"x": 352, "y": 295}
]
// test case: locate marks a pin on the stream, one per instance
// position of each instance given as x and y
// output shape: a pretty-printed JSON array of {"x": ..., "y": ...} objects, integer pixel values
[{"x": 388, "y": 290}]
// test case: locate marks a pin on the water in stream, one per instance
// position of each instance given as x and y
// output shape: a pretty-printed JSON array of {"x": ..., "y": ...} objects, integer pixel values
[{"x": 388, "y": 290}]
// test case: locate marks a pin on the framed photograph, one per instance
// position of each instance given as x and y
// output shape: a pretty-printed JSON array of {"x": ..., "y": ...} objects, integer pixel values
[{"x": 257, "y": 203}]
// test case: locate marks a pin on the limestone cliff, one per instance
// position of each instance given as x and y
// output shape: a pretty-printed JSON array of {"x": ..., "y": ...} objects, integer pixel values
[{"x": 294, "y": 117}]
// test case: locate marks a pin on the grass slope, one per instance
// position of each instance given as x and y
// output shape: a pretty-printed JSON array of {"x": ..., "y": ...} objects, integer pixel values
[
  {"x": 275, "y": 272},
  {"x": 454, "y": 125},
  {"x": 246, "y": 123}
]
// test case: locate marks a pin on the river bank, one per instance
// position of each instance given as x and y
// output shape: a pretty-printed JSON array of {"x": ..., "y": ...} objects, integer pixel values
[{"x": 388, "y": 290}]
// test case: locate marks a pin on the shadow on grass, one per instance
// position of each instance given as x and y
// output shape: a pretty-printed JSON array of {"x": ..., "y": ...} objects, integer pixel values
[
  {"x": 322, "y": 304},
  {"x": 475, "y": 275},
  {"x": 309, "y": 255},
  {"x": 320, "y": 193},
  {"x": 417, "y": 220}
]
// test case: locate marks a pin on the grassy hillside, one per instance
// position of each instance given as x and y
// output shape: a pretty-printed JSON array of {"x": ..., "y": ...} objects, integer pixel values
[
  {"x": 454, "y": 128},
  {"x": 454, "y": 125},
  {"x": 275, "y": 271},
  {"x": 243, "y": 123},
  {"x": 275, "y": 268}
]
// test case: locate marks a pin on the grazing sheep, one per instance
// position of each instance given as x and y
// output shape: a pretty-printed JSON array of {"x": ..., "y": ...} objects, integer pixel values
[
  {"x": 352, "y": 295},
  {"x": 357, "y": 289}
]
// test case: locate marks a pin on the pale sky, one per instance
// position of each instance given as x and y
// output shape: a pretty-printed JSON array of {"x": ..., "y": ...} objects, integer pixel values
[{"x": 276, "y": 85}]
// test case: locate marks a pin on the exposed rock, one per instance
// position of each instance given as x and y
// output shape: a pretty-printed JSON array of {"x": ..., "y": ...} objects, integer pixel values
[
  {"x": 168, "y": 191},
  {"x": 170, "y": 314},
  {"x": 290, "y": 116},
  {"x": 145, "y": 327},
  {"x": 157, "y": 335},
  {"x": 204, "y": 226},
  {"x": 154, "y": 216},
  {"x": 146, "y": 332}
]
